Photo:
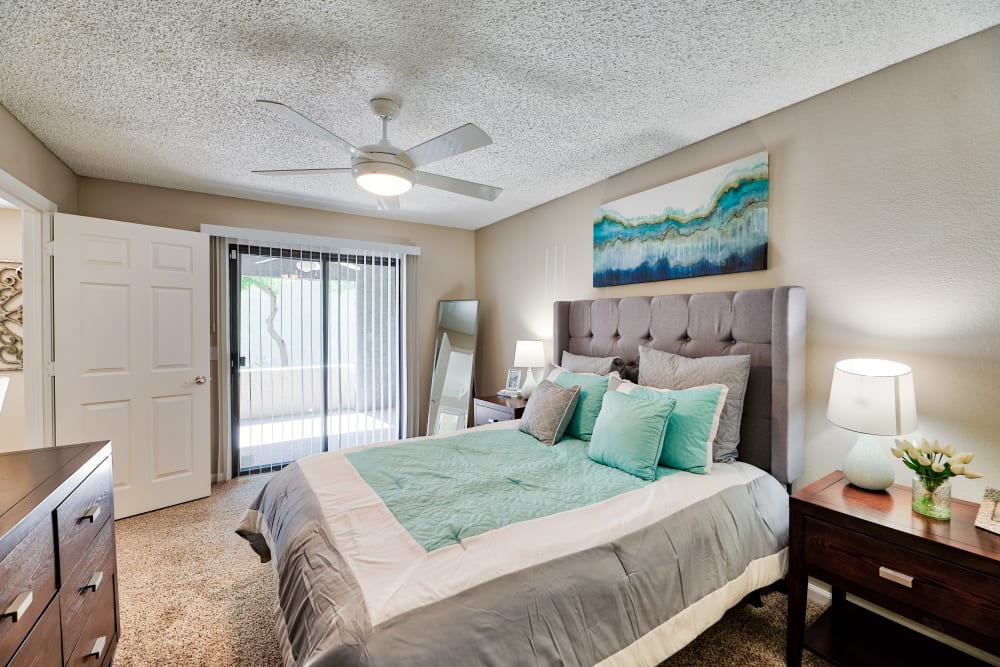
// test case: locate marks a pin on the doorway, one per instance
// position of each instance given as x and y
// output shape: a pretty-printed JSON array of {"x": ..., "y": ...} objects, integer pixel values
[
  {"x": 315, "y": 344},
  {"x": 12, "y": 412}
]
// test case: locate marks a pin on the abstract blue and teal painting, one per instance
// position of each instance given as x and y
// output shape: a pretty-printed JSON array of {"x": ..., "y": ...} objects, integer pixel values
[{"x": 703, "y": 225}]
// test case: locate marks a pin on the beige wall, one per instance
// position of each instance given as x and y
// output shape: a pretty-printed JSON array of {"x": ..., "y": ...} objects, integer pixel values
[
  {"x": 28, "y": 160},
  {"x": 446, "y": 267},
  {"x": 12, "y": 410},
  {"x": 884, "y": 205}
]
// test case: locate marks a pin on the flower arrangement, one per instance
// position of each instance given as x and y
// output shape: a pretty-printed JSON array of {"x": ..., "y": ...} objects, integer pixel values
[
  {"x": 934, "y": 464},
  {"x": 933, "y": 461}
]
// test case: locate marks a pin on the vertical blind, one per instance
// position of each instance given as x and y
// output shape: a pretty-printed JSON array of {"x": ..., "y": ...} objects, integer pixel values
[{"x": 318, "y": 350}]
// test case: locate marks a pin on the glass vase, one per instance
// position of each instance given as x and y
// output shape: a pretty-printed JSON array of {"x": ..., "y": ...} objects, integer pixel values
[{"x": 932, "y": 497}]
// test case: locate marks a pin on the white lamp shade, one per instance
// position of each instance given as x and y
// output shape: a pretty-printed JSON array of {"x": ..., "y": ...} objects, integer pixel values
[
  {"x": 873, "y": 396},
  {"x": 529, "y": 354}
]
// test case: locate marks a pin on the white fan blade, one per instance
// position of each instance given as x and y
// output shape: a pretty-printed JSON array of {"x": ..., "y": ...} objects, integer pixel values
[
  {"x": 388, "y": 203},
  {"x": 458, "y": 186},
  {"x": 302, "y": 172},
  {"x": 461, "y": 139},
  {"x": 309, "y": 126}
]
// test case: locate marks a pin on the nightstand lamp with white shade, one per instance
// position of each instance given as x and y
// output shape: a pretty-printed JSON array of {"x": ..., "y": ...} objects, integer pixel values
[
  {"x": 529, "y": 354},
  {"x": 872, "y": 397}
]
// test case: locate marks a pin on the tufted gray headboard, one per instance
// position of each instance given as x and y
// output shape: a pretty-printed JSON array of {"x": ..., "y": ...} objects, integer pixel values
[{"x": 767, "y": 324}]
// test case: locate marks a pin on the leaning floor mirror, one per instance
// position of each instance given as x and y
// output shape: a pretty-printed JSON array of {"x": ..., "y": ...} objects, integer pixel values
[{"x": 454, "y": 364}]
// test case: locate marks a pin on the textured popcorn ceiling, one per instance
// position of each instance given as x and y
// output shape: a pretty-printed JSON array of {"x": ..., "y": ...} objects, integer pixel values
[{"x": 571, "y": 92}]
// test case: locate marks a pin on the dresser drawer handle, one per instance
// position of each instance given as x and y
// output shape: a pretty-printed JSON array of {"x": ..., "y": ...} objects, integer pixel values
[
  {"x": 94, "y": 582},
  {"x": 91, "y": 514},
  {"x": 19, "y": 606},
  {"x": 97, "y": 649},
  {"x": 491, "y": 421},
  {"x": 896, "y": 577}
]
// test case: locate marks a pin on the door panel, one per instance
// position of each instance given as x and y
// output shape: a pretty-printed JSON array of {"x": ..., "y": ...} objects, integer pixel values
[{"x": 131, "y": 335}]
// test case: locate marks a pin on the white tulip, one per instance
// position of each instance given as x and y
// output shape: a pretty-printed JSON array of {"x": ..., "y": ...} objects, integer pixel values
[
  {"x": 949, "y": 450},
  {"x": 935, "y": 447},
  {"x": 967, "y": 457},
  {"x": 937, "y": 466},
  {"x": 923, "y": 460},
  {"x": 972, "y": 474},
  {"x": 958, "y": 468},
  {"x": 898, "y": 453}
]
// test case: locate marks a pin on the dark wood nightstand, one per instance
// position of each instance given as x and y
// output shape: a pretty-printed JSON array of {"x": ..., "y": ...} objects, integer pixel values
[
  {"x": 491, "y": 409},
  {"x": 942, "y": 574}
]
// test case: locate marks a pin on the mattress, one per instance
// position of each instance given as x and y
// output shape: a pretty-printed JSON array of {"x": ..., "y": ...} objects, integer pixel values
[{"x": 611, "y": 572}]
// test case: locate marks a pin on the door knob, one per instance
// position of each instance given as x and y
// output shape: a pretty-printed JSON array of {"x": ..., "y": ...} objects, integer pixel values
[{"x": 201, "y": 379}]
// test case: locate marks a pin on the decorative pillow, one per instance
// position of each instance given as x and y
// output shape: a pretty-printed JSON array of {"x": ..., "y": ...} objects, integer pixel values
[
  {"x": 672, "y": 371},
  {"x": 548, "y": 411},
  {"x": 629, "y": 433},
  {"x": 694, "y": 421},
  {"x": 592, "y": 390},
  {"x": 577, "y": 363}
]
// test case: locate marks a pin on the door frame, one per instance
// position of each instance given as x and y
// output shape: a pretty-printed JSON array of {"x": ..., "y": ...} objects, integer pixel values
[{"x": 36, "y": 237}]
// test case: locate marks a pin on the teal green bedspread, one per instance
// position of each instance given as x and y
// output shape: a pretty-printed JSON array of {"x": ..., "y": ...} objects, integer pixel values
[{"x": 447, "y": 489}]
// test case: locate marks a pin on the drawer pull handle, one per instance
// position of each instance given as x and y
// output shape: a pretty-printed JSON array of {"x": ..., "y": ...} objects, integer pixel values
[
  {"x": 896, "y": 577},
  {"x": 492, "y": 421},
  {"x": 94, "y": 582},
  {"x": 19, "y": 606},
  {"x": 97, "y": 649},
  {"x": 91, "y": 514}
]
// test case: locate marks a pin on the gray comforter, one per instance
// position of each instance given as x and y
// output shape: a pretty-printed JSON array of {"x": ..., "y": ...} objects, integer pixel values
[{"x": 576, "y": 609}]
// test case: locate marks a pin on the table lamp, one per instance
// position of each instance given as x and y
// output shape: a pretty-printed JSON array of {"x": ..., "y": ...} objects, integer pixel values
[
  {"x": 871, "y": 397},
  {"x": 529, "y": 354}
]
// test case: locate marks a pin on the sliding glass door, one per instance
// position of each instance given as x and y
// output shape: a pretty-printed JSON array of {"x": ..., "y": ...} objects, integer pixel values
[{"x": 318, "y": 362}]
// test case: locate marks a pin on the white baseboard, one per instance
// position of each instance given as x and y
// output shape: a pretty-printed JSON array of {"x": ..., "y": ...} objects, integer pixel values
[{"x": 821, "y": 595}]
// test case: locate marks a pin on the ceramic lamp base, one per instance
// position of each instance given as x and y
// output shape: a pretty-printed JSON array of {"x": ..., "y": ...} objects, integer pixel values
[
  {"x": 867, "y": 465},
  {"x": 529, "y": 384}
]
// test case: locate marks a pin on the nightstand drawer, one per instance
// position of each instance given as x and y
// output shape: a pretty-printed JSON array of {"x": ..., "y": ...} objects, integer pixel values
[
  {"x": 922, "y": 582},
  {"x": 488, "y": 415}
]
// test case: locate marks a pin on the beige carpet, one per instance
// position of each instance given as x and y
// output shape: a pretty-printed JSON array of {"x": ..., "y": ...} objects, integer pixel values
[{"x": 193, "y": 593}]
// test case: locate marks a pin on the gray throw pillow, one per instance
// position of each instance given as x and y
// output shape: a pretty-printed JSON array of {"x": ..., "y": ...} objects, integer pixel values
[
  {"x": 549, "y": 410},
  {"x": 666, "y": 370},
  {"x": 578, "y": 363}
]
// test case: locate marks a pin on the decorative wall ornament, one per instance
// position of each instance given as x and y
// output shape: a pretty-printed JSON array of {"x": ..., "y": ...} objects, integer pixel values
[
  {"x": 11, "y": 316},
  {"x": 710, "y": 223}
]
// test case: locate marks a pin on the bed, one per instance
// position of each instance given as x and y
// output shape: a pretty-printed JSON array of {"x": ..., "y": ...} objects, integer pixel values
[{"x": 489, "y": 548}]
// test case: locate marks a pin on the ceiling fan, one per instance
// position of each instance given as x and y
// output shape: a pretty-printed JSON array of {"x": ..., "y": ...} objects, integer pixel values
[{"x": 384, "y": 169}]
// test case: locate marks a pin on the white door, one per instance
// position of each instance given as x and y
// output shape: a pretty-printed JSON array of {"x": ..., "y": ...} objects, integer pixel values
[{"x": 131, "y": 355}]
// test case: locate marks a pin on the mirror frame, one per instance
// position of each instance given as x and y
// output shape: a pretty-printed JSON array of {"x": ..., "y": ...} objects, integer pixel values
[{"x": 434, "y": 397}]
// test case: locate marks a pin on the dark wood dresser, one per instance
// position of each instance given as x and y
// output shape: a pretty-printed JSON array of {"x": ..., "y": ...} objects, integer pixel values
[{"x": 58, "y": 573}]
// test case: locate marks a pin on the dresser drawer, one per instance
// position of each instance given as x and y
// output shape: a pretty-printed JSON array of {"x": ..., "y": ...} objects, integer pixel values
[
  {"x": 98, "y": 634},
  {"x": 27, "y": 583},
  {"x": 42, "y": 648},
  {"x": 488, "y": 415},
  {"x": 80, "y": 517},
  {"x": 920, "y": 581},
  {"x": 81, "y": 589}
]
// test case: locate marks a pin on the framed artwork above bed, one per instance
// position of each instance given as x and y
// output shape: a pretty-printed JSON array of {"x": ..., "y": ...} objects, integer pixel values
[{"x": 706, "y": 224}]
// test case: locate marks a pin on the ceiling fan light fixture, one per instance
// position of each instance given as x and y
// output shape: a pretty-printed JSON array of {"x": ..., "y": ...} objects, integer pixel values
[{"x": 383, "y": 179}]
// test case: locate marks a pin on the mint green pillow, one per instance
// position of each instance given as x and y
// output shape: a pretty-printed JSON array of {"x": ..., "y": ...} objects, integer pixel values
[
  {"x": 693, "y": 423},
  {"x": 629, "y": 433},
  {"x": 592, "y": 390}
]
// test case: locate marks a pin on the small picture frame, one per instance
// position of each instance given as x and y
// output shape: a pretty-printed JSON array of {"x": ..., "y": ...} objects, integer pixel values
[
  {"x": 988, "y": 517},
  {"x": 513, "y": 379}
]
